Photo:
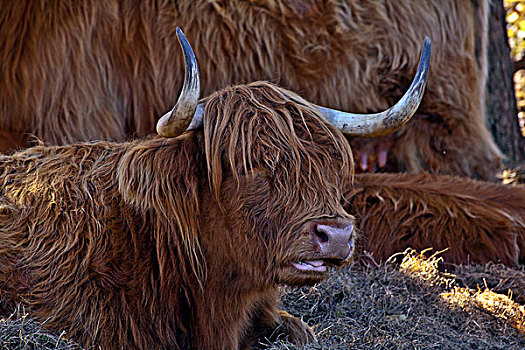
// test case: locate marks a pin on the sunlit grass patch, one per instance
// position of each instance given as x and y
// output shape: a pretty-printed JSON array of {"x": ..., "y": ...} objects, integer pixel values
[
  {"x": 515, "y": 19},
  {"x": 497, "y": 305},
  {"x": 514, "y": 176},
  {"x": 399, "y": 305},
  {"x": 497, "y": 277},
  {"x": 425, "y": 270}
]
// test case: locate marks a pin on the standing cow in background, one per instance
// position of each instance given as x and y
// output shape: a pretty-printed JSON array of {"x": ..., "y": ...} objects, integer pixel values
[
  {"x": 181, "y": 241},
  {"x": 83, "y": 70}
]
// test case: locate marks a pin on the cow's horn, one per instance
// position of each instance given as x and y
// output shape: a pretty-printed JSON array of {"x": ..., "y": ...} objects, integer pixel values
[
  {"x": 384, "y": 123},
  {"x": 177, "y": 120}
]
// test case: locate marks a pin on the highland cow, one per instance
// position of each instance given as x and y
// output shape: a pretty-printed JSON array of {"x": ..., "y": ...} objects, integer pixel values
[
  {"x": 180, "y": 241},
  {"x": 76, "y": 71},
  {"x": 475, "y": 221}
]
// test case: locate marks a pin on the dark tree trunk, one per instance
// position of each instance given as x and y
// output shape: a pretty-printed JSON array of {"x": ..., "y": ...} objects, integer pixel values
[{"x": 501, "y": 101}]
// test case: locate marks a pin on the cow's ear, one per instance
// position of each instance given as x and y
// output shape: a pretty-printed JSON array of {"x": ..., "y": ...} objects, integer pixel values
[
  {"x": 160, "y": 178},
  {"x": 161, "y": 174}
]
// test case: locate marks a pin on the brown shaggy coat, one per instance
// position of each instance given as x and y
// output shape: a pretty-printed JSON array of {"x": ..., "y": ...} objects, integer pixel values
[
  {"x": 173, "y": 243},
  {"x": 477, "y": 221},
  {"x": 104, "y": 70}
]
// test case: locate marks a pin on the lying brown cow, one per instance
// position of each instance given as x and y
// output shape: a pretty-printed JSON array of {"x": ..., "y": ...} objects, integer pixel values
[
  {"x": 104, "y": 70},
  {"x": 476, "y": 221},
  {"x": 180, "y": 242}
]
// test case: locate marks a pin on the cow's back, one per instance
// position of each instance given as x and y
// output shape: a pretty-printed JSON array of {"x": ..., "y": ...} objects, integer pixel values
[
  {"x": 76, "y": 71},
  {"x": 64, "y": 236},
  {"x": 474, "y": 221}
]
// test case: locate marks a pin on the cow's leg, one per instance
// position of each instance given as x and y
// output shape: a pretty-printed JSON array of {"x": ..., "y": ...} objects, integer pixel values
[
  {"x": 270, "y": 324},
  {"x": 296, "y": 331}
]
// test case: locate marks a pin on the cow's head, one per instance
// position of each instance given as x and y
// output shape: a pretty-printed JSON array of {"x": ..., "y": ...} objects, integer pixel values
[
  {"x": 277, "y": 169},
  {"x": 273, "y": 168}
]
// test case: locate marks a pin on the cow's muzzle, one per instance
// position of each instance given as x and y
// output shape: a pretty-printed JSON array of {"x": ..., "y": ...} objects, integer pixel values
[{"x": 333, "y": 240}]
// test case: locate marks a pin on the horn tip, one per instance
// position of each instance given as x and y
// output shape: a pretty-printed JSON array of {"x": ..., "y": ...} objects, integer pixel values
[
  {"x": 427, "y": 45},
  {"x": 180, "y": 35},
  {"x": 424, "y": 60}
]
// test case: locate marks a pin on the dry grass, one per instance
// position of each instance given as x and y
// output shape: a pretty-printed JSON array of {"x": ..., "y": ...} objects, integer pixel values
[
  {"x": 20, "y": 332},
  {"x": 514, "y": 176},
  {"x": 410, "y": 305},
  {"x": 407, "y": 304},
  {"x": 496, "y": 277},
  {"x": 497, "y": 305}
]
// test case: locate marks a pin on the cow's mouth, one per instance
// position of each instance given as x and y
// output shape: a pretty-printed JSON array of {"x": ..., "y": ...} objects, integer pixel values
[
  {"x": 310, "y": 265},
  {"x": 318, "y": 265},
  {"x": 309, "y": 270}
]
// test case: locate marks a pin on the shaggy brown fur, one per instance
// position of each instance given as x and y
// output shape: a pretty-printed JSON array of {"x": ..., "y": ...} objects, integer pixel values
[
  {"x": 174, "y": 243},
  {"x": 476, "y": 221},
  {"x": 91, "y": 70}
]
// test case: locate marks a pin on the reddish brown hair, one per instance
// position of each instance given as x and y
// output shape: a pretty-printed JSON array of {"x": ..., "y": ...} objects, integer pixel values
[
  {"x": 75, "y": 71},
  {"x": 173, "y": 243},
  {"x": 475, "y": 221}
]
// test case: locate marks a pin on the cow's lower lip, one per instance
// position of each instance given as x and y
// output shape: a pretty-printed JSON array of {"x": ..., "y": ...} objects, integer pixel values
[{"x": 310, "y": 265}]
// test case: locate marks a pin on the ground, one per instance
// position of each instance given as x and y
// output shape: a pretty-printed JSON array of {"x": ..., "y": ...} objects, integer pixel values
[{"x": 404, "y": 304}]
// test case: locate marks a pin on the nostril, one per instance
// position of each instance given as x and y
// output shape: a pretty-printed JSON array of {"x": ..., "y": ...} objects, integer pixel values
[{"x": 323, "y": 237}]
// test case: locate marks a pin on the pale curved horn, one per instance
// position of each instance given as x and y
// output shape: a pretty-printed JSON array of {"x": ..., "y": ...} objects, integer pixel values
[
  {"x": 177, "y": 120},
  {"x": 196, "y": 122},
  {"x": 384, "y": 123}
]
